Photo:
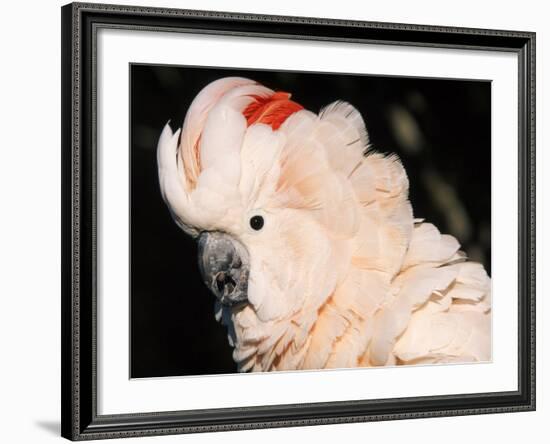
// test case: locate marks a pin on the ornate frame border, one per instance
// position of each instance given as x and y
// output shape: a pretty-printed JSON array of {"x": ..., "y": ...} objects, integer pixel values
[{"x": 80, "y": 22}]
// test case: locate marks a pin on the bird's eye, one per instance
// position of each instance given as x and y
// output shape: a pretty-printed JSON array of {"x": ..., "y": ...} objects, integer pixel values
[{"x": 256, "y": 222}]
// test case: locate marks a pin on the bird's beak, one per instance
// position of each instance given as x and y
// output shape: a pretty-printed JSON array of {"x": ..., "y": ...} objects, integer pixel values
[{"x": 224, "y": 265}]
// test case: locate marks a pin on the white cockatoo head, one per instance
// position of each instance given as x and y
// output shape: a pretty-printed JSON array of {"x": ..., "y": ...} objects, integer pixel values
[
  {"x": 278, "y": 198},
  {"x": 247, "y": 177}
]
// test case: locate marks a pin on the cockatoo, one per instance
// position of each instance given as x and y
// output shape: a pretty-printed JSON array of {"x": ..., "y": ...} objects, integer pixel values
[{"x": 307, "y": 238}]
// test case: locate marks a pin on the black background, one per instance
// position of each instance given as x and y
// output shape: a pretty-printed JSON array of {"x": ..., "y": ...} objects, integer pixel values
[{"x": 441, "y": 129}]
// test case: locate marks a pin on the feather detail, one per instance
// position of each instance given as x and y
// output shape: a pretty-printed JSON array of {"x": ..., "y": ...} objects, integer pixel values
[
  {"x": 221, "y": 142},
  {"x": 428, "y": 245},
  {"x": 349, "y": 348},
  {"x": 381, "y": 185},
  {"x": 195, "y": 120},
  {"x": 309, "y": 182},
  {"x": 418, "y": 284},
  {"x": 329, "y": 327},
  {"x": 445, "y": 335},
  {"x": 172, "y": 178},
  {"x": 363, "y": 292},
  {"x": 349, "y": 124},
  {"x": 260, "y": 151}
]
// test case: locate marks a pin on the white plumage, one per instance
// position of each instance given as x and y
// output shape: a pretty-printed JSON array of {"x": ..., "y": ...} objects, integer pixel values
[{"x": 341, "y": 274}]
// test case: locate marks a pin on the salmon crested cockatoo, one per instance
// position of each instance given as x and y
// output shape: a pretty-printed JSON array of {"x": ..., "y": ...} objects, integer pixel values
[{"x": 307, "y": 239}]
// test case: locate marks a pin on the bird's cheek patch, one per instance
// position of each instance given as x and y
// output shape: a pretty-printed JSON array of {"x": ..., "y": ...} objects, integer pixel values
[
  {"x": 264, "y": 296},
  {"x": 256, "y": 288}
]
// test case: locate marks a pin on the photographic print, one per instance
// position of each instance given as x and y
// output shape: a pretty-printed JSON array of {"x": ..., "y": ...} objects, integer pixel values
[
  {"x": 274, "y": 221},
  {"x": 304, "y": 221}
]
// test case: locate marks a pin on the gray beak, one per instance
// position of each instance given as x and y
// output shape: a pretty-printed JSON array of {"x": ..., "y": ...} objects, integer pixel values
[{"x": 224, "y": 266}]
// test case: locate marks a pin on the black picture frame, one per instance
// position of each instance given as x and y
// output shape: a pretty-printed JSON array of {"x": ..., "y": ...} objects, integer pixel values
[{"x": 80, "y": 420}]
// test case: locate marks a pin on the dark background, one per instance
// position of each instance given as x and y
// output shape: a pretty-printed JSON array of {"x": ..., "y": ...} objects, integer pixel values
[{"x": 441, "y": 129}]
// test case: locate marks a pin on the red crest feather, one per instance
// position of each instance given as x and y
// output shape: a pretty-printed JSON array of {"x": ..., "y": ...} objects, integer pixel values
[{"x": 272, "y": 110}]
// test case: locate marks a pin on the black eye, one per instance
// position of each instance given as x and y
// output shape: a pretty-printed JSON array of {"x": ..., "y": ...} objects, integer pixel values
[{"x": 256, "y": 222}]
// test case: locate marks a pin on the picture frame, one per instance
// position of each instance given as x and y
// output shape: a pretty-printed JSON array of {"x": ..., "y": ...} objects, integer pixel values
[{"x": 81, "y": 251}]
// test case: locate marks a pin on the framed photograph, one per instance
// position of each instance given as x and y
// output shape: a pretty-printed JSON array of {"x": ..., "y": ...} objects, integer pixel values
[{"x": 280, "y": 221}]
